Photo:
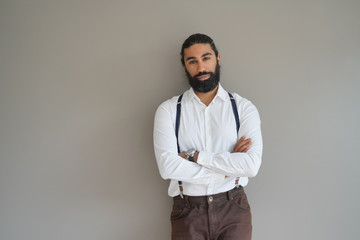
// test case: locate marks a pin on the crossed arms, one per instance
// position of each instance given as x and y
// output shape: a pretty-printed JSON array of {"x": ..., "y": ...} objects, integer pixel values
[{"x": 243, "y": 161}]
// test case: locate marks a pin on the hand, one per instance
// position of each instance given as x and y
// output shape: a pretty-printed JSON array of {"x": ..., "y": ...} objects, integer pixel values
[
  {"x": 242, "y": 145},
  {"x": 183, "y": 155}
]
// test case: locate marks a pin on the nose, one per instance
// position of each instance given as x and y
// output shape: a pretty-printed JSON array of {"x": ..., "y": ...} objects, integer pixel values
[{"x": 201, "y": 67}]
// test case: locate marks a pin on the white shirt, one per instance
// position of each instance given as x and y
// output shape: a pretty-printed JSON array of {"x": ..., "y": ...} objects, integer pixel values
[{"x": 211, "y": 130}]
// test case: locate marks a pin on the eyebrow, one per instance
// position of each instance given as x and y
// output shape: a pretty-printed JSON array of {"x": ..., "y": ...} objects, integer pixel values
[{"x": 205, "y": 54}]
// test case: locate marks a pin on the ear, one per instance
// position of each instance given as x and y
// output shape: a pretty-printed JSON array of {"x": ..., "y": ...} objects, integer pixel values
[{"x": 218, "y": 58}]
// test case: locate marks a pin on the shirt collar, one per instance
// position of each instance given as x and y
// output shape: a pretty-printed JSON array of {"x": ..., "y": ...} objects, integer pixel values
[{"x": 221, "y": 93}]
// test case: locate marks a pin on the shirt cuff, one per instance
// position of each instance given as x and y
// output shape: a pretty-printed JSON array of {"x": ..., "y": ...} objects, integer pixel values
[{"x": 205, "y": 159}]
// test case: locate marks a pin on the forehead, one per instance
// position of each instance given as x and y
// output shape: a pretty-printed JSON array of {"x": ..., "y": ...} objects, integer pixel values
[{"x": 197, "y": 50}]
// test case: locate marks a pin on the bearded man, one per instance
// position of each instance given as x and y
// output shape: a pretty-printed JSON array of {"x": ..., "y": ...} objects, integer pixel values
[{"x": 208, "y": 142}]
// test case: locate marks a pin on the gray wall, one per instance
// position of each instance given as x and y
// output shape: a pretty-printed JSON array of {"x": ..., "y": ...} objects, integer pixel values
[{"x": 80, "y": 83}]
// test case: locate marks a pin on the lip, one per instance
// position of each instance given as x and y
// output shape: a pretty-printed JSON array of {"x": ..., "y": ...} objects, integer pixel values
[{"x": 203, "y": 77}]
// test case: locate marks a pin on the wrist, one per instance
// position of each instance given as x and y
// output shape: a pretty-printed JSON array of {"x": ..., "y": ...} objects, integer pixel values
[
  {"x": 196, "y": 155},
  {"x": 191, "y": 155}
]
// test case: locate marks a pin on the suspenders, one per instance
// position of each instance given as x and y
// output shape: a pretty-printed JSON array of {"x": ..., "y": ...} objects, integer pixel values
[{"x": 177, "y": 124}]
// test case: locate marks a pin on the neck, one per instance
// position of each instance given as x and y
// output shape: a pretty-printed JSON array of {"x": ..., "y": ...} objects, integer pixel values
[{"x": 207, "y": 97}]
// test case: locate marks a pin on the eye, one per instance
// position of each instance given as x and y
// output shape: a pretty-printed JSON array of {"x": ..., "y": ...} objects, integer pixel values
[
  {"x": 206, "y": 58},
  {"x": 192, "y": 62}
]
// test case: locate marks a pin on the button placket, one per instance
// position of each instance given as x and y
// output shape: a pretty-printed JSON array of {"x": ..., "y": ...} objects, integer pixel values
[{"x": 208, "y": 140}]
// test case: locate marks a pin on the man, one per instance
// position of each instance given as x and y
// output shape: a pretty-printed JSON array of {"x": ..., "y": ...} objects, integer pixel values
[{"x": 207, "y": 142}]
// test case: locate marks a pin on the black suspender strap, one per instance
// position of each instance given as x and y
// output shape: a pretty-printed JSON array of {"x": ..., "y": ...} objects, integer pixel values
[
  {"x": 177, "y": 125},
  {"x": 236, "y": 114}
]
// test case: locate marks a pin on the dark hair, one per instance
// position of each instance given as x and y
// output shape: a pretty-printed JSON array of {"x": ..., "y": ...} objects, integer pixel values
[{"x": 195, "y": 39}]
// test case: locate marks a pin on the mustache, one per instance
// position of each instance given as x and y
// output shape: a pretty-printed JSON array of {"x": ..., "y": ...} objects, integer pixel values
[{"x": 203, "y": 73}]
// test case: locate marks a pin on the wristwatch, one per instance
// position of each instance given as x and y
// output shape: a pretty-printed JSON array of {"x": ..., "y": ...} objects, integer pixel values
[{"x": 190, "y": 154}]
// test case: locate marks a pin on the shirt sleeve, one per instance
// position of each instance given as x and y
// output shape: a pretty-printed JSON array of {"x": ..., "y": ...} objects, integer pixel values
[
  {"x": 172, "y": 166},
  {"x": 239, "y": 164}
]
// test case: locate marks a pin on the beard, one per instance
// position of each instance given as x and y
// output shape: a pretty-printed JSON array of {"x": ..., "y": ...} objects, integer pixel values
[{"x": 206, "y": 85}]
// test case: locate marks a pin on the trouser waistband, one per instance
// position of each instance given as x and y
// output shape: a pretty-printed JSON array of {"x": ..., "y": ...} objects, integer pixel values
[{"x": 202, "y": 200}]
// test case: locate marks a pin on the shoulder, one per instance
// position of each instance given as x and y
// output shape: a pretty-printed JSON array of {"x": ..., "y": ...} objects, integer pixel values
[
  {"x": 241, "y": 101},
  {"x": 244, "y": 105},
  {"x": 169, "y": 104},
  {"x": 167, "y": 107}
]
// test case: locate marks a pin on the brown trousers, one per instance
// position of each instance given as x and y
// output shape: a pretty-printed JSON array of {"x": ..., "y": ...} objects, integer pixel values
[{"x": 221, "y": 216}]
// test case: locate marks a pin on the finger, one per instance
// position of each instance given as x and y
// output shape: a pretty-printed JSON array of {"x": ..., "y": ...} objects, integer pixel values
[
  {"x": 239, "y": 142},
  {"x": 246, "y": 149},
  {"x": 183, "y": 155},
  {"x": 247, "y": 145},
  {"x": 242, "y": 145}
]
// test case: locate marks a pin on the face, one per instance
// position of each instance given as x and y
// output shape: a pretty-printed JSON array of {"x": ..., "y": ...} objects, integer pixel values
[{"x": 202, "y": 67}]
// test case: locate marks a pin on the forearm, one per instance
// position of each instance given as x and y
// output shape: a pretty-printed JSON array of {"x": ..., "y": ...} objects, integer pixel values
[
  {"x": 231, "y": 164},
  {"x": 244, "y": 161},
  {"x": 172, "y": 166}
]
